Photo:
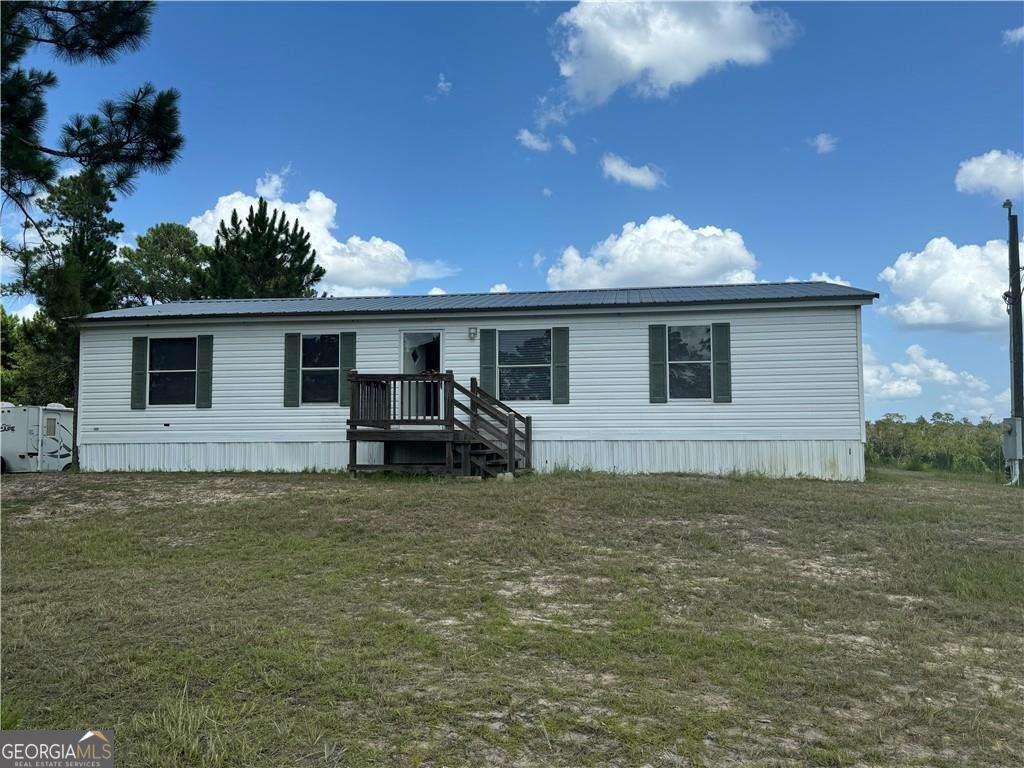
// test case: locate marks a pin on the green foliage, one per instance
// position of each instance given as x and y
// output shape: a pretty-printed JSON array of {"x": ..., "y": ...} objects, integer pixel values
[
  {"x": 137, "y": 132},
  {"x": 941, "y": 442},
  {"x": 263, "y": 257},
  {"x": 10, "y": 338},
  {"x": 166, "y": 264},
  {"x": 43, "y": 365},
  {"x": 70, "y": 274}
]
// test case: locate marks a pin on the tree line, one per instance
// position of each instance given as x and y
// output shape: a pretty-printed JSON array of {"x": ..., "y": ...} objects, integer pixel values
[
  {"x": 67, "y": 256},
  {"x": 75, "y": 267},
  {"x": 941, "y": 442}
]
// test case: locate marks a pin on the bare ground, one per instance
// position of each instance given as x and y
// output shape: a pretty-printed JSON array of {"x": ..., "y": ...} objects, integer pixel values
[{"x": 578, "y": 619}]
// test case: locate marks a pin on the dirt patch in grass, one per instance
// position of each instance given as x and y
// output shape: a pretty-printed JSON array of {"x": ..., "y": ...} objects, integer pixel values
[{"x": 574, "y": 620}]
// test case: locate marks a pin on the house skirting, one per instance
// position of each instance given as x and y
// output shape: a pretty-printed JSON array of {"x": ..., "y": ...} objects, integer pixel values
[{"x": 827, "y": 459}]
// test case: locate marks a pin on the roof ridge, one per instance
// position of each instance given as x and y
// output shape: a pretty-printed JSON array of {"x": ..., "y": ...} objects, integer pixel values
[{"x": 518, "y": 293}]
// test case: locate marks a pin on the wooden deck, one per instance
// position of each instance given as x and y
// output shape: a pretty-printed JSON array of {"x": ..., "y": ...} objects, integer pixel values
[{"x": 430, "y": 423}]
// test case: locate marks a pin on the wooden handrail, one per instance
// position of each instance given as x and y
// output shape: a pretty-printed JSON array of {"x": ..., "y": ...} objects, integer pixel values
[
  {"x": 430, "y": 376},
  {"x": 497, "y": 432},
  {"x": 384, "y": 400},
  {"x": 486, "y": 396},
  {"x": 488, "y": 409}
]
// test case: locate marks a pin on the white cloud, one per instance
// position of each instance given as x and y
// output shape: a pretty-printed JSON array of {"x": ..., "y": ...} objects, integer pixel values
[
  {"x": 546, "y": 192},
  {"x": 975, "y": 406},
  {"x": 661, "y": 251},
  {"x": 271, "y": 185},
  {"x": 949, "y": 286},
  {"x": 643, "y": 176},
  {"x": 538, "y": 260},
  {"x": 998, "y": 173},
  {"x": 882, "y": 383},
  {"x": 444, "y": 85},
  {"x": 355, "y": 266},
  {"x": 27, "y": 312},
  {"x": 1013, "y": 36},
  {"x": 535, "y": 141},
  {"x": 920, "y": 366},
  {"x": 498, "y": 288},
  {"x": 655, "y": 47},
  {"x": 551, "y": 110},
  {"x": 903, "y": 380},
  {"x": 820, "y": 277},
  {"x": 437, "y": 291},
  {"x": 825, "y": 277},
  {"x": 346, "y": 290},
  {"x": 823, "y": 143},
  {"x": 567, "y": 144}
]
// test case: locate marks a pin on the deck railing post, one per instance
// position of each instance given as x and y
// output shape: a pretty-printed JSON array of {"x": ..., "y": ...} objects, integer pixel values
[
  {"x": 510, "y": 424},
  {"x": 449, "y": 399},
  {"x": 528, "y": 442},
  {"x": 474, "y": 387},
  {"x": 353, "y": 397},
  {"x": 353, "y": 420}
]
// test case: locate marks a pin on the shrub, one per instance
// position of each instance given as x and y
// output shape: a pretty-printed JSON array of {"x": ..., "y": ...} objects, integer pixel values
[{"x": 941, "y": 442}]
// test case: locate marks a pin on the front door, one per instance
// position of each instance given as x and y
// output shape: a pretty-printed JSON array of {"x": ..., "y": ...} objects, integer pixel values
[{"x": 421, "y": 353}]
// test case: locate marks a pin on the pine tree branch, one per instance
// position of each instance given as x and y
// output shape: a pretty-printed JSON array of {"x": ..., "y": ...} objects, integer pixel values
[
  {"x": 47, "y": 150},
  {"x": 28, "y": 217}
]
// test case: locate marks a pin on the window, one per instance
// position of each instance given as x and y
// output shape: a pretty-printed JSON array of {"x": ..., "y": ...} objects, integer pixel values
[
  {"x": 320, "y": 368},
  {"x": 689, "y": 362},
  {"x": 51, "y": 426},
  {"x": 524, "y": 365},
  {"x": 172, "y": 371}
]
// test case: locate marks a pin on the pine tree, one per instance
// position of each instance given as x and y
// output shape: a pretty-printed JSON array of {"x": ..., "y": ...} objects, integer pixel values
[
  {"x": 166, "y": 264},
  {"x": 10, "y": 338},
  {"x": 136, "y": 132},
  {"x": 263, "y": 257},
  {"x": 71, "y": 273}
]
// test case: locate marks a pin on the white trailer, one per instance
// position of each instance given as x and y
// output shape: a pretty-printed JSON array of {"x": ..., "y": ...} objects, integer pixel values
[{"x": 36, "y": 438}]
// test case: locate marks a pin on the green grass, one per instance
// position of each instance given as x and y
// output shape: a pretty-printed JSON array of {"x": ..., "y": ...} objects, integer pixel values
[{"x": 576, "y": 619}]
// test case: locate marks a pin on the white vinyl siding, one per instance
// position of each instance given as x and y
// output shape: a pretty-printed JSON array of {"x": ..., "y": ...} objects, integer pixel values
[{"x": 795, "y": 377}]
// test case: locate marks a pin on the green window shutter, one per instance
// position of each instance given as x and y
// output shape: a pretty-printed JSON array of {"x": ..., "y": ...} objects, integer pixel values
[
  {"x": 347, "y": 346},
  {"x": 140, "y": 372},
  {"x": 721, "y": 356},
  {"x": 489, "y": 361},
  {"x": 292, "y": 358},
  {"x": 657, "y": 364},
  {"x": 204, "y": 372},
  {"x": 559, "y": 366}
]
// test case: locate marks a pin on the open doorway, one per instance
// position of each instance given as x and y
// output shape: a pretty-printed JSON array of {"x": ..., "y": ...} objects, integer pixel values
[{"x": 421, "y": 353}]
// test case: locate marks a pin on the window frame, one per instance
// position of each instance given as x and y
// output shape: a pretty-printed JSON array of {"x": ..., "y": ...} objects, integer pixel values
[
  {"x": 150, "y": 371},
  {"x": 303, "y": 368},
  {"x": 710, "y": 362},
  {"x": 551, "y": 363}
]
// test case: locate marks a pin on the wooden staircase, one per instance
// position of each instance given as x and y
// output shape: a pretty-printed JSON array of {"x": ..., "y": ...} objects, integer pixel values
[{"x": 454, "y": 430}]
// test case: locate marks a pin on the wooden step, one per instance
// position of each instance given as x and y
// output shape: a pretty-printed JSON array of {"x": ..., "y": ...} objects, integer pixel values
[{"x": 483, "y": 466}]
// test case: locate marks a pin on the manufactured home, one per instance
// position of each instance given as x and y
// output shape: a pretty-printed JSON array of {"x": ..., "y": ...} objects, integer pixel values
[{"x": 763, "y": 378}]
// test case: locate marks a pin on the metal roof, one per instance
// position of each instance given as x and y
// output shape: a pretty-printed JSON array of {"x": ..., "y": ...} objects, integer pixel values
[{"x": 496, "y": 302}]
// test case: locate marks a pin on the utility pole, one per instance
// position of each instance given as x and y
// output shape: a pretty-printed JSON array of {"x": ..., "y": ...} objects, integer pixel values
[{"x": 1013, "y": 299}]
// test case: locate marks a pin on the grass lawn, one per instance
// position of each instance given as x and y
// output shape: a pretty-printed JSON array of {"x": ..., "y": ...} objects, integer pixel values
[{"x": 579, "y": 619}]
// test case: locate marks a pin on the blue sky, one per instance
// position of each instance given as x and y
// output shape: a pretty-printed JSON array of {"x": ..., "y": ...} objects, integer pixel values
[{"x": 766, "y": 142}]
